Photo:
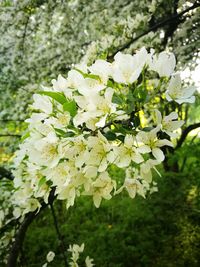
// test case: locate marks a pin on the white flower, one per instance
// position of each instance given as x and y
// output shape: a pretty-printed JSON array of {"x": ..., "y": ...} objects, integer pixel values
[
  {"x": 60, "y": 85},
  {"x": 62, "y": 171},
  {"x": 89, "y": 262},
  {"x": 36, "y": 118},
  {"x": 44, "y": 151},
  {"x": 100, "y": 152},
  {"x": 94, "y": 109},
  {"x": 68, "y": 192},
  {"x": 127, "y": 68},
  {"x": 61, "y": 121},
  {"x": 42, "y": 103},
  {"x": 87, "y": 87},
  {"x": 17, "y": 212},
  {"x": 90, "y": 87},
  {"x": 148, "y": 141},
  {"x": 177, "y": 93},
  {"x": 127, "y": 152},
  {"x": 75, "y": 250},
  {"x": 74, "y": 79},
  {"x": 169, "y": 123},
  {"x": 30, "y": 205},
  {"x": 101, "y": 188},
  {"x": 101, "y": 68},
  {"x": 145, "y": 169},
  {"x": 50, "y": 256},
  {"x": 134, "y": 186},
  {"x": 133, "y": 183},
  {"x": 163, "y": 64},
  {"x": 76, "y": 150}
]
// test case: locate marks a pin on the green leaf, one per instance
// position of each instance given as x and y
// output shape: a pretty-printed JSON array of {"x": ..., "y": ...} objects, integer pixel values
[
  {"x": 110, "y": 135},
  {"x": 64, "y": 134},
  {"x": 59, "y": 131},
  {"x": 110, "y": 84},
  {"x": 117, "y": 99},
  {"x": 26, "y": 135},
  {"x": 147, "y": 129},
  {"x": 121, "y": 138},
  {"x": 89, "y": 75},
  {"x": 103, "y": 55},
  {"x": 59, "y": 97},
  {"x": 140, "y": 93},
  {"x": 42, "y": 181},
  {"x": 71, "y": 107},
  {"x": 69, "y": 134}
]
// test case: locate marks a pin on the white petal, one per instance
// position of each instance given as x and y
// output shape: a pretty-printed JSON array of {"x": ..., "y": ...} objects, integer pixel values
[
  {"x": 188, "y": 100},
  {"x": 137, "y": 158},
  {"x": 144, "y": 149},
  {"x": 164, "y": 142},
  {"x": 171, "y": 116},
  {"x": 158, "y": 154},
  {"x": 168, "y": 96},
  {"x": 101, "y": 122},
  {"x": 97, "y": 200}
]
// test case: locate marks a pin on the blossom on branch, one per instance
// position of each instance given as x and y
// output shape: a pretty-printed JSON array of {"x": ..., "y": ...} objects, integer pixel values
[{"x": 92, "y": 121}]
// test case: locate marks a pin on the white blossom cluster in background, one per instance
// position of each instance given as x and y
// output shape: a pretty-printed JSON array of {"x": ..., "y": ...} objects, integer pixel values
[{"x": 86, "y": 123}]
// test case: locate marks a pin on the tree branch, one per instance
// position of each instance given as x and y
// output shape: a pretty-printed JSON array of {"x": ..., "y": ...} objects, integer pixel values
[
  {"x": 60, "y": 237},
  {"x": 12, "y": 135},
  {"x": 20, "y": 235},
  {"x": 157, "y": 26},
  {"x": 172, "y": 26},
  {"x": 185, "y": 133}
]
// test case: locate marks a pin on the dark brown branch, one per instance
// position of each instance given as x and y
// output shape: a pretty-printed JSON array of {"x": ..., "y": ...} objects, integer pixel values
[
  {"x": 20, "y": 235},
  {"x": 157, "y": 26},
  {"x": 19, "y": 238},
  {"x": 12, "y": 135},
  {"x": 185, "y": 133},
  {"x": 172, "y": 26},
  {"x": 60, "y": 237}
]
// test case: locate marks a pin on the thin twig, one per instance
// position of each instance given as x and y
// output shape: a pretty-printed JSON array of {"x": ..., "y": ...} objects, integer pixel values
[
  {"x": 10, "y": 135},
  {"x": 60, "y": 238},
  {"x": 185, "y": 133}
]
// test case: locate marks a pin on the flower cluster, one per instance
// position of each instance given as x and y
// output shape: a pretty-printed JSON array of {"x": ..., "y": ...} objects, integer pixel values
[
  {"x": 90, "y": 121},
  {"x": 75, "y": 251}
]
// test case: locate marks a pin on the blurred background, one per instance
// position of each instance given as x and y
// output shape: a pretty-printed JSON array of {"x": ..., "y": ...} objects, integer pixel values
[{"x": 41, "y": 39}]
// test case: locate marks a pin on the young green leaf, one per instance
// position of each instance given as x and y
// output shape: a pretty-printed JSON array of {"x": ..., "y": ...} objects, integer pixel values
[
  {"x": 59, "y": 97},
  {"x": 71, "y": 107},
  {"x": 42, "y": 181}
]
